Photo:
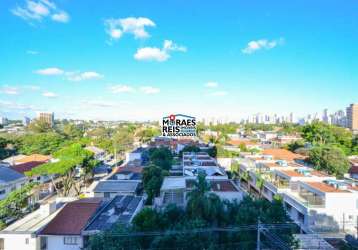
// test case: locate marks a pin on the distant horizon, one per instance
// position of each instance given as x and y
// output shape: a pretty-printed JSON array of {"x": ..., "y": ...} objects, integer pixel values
[{"x": 130, "y": 61}]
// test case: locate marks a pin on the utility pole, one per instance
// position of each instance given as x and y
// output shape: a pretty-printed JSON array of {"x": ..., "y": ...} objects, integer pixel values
[{"x": 258, "y": 240}]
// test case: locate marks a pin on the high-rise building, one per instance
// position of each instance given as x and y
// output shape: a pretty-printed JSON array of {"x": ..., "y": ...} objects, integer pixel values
[
  {"x": 3, "y": 121},
  {"x": 48, "y": 117},
  {"x": 26, "y": 121},
  {"x": 352, "y": 116}
]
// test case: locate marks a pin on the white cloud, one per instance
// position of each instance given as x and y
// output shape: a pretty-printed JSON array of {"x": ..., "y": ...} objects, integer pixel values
[
  {"x": 115, "y": 28},
  {"x": 151, "y": 54},
  {"x": 211, "y": 84},
  {"x": 32, "y": 52},
  {"x": 40, "y": 9},
  {"x": 9, "y": 90},
  {"x": 61, "y": 17},
  {"x": 219, "y": 93},
  {"x": 49, "y": 71},
  {"x": 150, "y": 90},
  {"x": 120, "y": 88},
  {"x": 157, "y": 54},
  {"x": 254, "y": 46},
  {"x": 49, "y": 94},
  {"x": 78, "y": 76}
]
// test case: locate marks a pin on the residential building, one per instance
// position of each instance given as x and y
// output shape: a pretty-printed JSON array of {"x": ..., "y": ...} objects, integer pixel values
[
  {"x": 195, "y": 162},
  {"x": 312, "y": 198},
  {"x": 10, "y": 180},
  {"x": 72, "y": 226},
  {"x": 3, "y": 121},
  {"x": 23, "y": 233},
  {"x": 352, "y": 116},
  {"x": 110, "y": 188},
  {"x": 46, "y": 117},
  {"x": 26, "y": 121},
  {"x": 174, "y": 190}
]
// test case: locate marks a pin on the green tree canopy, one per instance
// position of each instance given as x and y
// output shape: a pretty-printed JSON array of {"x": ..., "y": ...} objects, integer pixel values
[{"x": 330, "y": 159}]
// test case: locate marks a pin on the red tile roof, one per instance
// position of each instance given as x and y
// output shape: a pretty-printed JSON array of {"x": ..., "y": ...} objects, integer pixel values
[
  {"x": 282, "y": 154},
  {"x": 353, "y": 170},
  {"x": 291, "y": 173},
  {"x": 223, "y": 186},
  {"x": 27, "y": 166},
  {"x": 325, "y": 188},
  {"x": 73, "y": 218}
]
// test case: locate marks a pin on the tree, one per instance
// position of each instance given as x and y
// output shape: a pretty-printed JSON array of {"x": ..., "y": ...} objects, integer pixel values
[
  {"x": 68, "y": 158},
  {"x": 146, "y": 134},
  {"x": 40, "y": 126},
  {"x": 161, "y": 157},
  {"x": 189, "y": 148},
  {"x": 71, "y": 131},
  {"x": 42, "y": 143},
  {"x": 330, "y": 159},
  {"x": 152, "y": 181},
  {"x": 15, "y": 202}
]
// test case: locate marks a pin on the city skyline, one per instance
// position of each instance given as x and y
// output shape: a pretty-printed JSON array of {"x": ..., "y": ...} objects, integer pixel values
[{"x": 129, "y": 61}]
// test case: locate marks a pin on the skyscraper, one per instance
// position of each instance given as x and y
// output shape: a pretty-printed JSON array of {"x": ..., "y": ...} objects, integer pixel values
[{"x": 352, "y": 116}]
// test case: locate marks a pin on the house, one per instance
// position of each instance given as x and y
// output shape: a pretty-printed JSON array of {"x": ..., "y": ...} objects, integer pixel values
[
  {"x": 12, "y": 160},
  {"x": 71, "y": 227},
  {"x": 110, "y": 188},
  {"x": 10, "y": 180},
  {"x": 99, "y": 154},
  {"x": 174, "y": 190},
  {"x": 127, "y": 173},
  {"x": 64, "y": 232},
  {"x": 195, "y": 162},
  {"x": 353, "y": 171},
  {"x": 135, "y": 154},
  {"x": 23, "y": 233}
]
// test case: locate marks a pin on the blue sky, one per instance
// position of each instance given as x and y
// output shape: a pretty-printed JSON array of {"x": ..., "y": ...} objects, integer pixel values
[{"x": 143, "y": 60}]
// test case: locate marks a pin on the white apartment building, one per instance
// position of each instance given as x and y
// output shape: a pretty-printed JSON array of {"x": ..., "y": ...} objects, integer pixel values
[
  {"x": 10, "y": 180},
  {"x": 314, "y": 200},
  {"x": 195, "y": 162}
]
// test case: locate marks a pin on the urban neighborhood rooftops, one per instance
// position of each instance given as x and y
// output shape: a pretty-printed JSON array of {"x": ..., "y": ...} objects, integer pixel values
[
  {"x": 34, "y": 158},
  {"x": 26, "y": 166},
  {"x": 325, "y": 188},
  {"x": 73, "y": 218}
]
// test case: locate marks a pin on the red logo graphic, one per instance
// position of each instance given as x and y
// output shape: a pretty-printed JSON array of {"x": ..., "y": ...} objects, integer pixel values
[{"x": 172, "y": 117}]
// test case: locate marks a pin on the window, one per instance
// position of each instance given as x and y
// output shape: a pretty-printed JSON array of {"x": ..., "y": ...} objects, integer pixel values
[
  {"x": 70, "y": 240},
  {"x": 107, "y": 195}
]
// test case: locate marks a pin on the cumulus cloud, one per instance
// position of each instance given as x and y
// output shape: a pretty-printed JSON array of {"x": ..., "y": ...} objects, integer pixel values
[
  {"x": 50, "y": 71},
  {"x": 49, "y": 94},
  {"x": 9, "y": 90},
  {"x": 158, "y": 54},
  {"x": 211, "y": 84},
  {"x": 81, "y": 76},
  {"x": 61, "y": 17},
  {"x": 40, "y": 9},
  {"x": 121, "y": 88},
  {"x": 70, "y": 75},
  {"x": 149, "y": 90},
  {"x": 254, "y": 46},
  {"x": 115, "y": 28}
]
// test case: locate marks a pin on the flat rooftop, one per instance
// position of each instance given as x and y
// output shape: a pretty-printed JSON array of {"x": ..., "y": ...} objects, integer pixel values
[
  {"x": 170, "y": 183},
  {"x": 116, "y": 186}
]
